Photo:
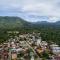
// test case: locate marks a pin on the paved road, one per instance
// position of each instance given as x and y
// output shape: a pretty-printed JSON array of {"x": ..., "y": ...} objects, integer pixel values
[{"x": 33, "y": 50}]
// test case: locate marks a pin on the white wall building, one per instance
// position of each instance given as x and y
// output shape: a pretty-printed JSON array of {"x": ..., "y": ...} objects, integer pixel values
[
  {"x": 38, "y": 42},
  {"x": 55, "y": 48},
  {"x": 33, "y": 38}
]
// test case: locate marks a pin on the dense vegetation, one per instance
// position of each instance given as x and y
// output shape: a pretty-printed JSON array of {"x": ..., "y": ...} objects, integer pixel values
[
  {"x": 49, "y": 31},
  {"x": 12, "y": 22}
]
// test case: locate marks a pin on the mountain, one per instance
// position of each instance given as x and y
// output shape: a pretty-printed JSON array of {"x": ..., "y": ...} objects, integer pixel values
[
  {"x": 17, "y": 22},
  {"x": 46, "y": 24},
  {"x": 12, "y": 22}
]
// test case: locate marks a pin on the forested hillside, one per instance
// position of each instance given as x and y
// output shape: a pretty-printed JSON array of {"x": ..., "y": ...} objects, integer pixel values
[{"x": 12, "y": 22}]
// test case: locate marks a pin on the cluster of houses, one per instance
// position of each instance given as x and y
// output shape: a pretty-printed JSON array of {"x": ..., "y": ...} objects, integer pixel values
[{"x": 28, "y": 47}]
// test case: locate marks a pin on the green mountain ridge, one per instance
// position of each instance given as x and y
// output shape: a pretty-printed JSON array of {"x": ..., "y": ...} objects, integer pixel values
[
  {"x": 12, "y": 22},
  {"x": 17, "y": 22}
]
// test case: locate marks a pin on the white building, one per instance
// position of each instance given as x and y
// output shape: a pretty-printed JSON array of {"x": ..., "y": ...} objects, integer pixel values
[
  {"x": 32, "y": 55},
  {"x": 55, "y": 48},
  {"x": 38, "y": 42},
  {"x": 33, "y": 38},
  {"x": 32, "y": 58},
  {"x": 44, "y": 43}
]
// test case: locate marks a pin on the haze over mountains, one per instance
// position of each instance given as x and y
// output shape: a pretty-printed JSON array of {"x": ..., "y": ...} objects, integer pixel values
[{"x": 13, "y": 22}]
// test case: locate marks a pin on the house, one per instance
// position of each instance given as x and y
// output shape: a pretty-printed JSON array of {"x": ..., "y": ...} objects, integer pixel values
[
  {"x": 55, "y": 48},
  {"x": 38, "y": 42},
  {"x": 14, "y": 56},
  {"x": 57, "y": 57}
]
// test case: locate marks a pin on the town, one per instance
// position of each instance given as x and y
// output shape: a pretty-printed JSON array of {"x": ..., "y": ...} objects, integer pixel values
[{"x": 29, "y": 46}]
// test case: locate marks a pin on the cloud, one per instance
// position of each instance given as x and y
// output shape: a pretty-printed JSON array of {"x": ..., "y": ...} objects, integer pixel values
[{"x": 32, "y": 10}]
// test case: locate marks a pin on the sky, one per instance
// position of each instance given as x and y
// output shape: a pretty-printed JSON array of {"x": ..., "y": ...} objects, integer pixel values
[{"x": 31, "y": 10}]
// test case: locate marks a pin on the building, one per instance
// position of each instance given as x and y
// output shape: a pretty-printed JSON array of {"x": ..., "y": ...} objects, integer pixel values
[
  {"x": 57, "y": 58},
  {"x": 55, "y": 49},
  {"x": 14, "y": 55},
  {"x": 38, "y": 42},
  {"x": 33, "y": 38}
]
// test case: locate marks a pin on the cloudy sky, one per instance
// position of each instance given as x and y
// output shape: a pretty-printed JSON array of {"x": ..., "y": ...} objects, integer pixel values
[{"x": 31, "y": 10}]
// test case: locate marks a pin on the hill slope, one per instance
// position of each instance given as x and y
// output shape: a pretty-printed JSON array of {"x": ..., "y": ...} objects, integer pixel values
[
  {"x": 12, "y": 22},
  {"x": 17, "y": 22},
  {"x": 45, "y": 24}
]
